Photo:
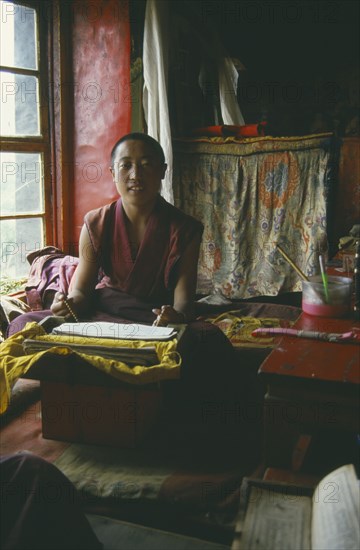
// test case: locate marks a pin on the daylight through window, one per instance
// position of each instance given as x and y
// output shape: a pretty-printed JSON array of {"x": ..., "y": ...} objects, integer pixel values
[{"x": 25, "y": 214}]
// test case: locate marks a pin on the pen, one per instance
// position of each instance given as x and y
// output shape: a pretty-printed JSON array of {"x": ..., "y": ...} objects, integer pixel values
[
  {"x": 329, "y": 336},
  {"x": 158, "y": 319},
  {"x": 293, "y": 264}
]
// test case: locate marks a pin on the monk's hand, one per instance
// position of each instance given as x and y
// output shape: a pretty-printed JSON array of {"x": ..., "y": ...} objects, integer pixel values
[
  {"x": 166, "y": 315},
  {"x": 60, "y": 306}
]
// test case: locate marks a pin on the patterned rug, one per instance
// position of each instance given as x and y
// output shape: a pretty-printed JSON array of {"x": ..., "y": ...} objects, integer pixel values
[{"x": 118, "y": 473}]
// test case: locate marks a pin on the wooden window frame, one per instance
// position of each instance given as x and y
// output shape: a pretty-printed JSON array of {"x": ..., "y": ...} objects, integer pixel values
[{"x": 42, "y": 143}]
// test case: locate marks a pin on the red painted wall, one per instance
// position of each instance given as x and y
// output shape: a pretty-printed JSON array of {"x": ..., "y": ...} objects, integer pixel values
[{"x": 102, "y": 107}]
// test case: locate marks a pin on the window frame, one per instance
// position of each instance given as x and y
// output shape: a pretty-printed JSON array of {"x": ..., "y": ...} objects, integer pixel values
[{"x": 42, "y": 143}]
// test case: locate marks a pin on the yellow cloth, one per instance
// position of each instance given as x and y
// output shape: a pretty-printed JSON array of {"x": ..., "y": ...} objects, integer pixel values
[
  {"x": 14, "y": 362},
  {"x": 239, "y": 329}
]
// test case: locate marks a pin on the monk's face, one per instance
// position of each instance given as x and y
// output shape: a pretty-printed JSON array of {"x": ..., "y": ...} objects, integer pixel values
[{"x": 137, "y": 172}]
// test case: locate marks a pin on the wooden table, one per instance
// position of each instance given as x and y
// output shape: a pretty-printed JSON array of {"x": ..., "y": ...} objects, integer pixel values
[{"x": 312, "y": 386}]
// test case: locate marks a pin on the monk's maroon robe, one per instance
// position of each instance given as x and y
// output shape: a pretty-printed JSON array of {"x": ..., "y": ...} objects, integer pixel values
[
  {"x": 40, "y": 508},
  {"x": 129, "y": 288},
  {"x": 148, "y": 280}
]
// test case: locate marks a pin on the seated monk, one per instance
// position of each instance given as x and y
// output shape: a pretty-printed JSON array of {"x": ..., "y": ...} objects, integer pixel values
[
  {"x": 138, "y": 261},
  {"x": 145, "y": 249}
]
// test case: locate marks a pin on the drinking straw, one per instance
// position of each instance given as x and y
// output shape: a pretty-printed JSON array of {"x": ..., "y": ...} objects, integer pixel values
[
  {"x": 324, "y": 278},
  {"x": 293, "y": 265}
]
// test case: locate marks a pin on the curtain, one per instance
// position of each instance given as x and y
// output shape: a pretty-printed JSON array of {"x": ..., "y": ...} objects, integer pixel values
[
  {"x": 155, "y": 100},
  {"x": 251, "y": 195}
]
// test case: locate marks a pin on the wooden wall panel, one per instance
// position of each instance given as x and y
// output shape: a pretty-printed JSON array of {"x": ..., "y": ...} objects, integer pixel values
[{"x": 102, "y": 107}]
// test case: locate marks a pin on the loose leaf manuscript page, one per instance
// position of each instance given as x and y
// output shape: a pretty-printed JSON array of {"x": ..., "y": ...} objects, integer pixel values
[
  {"x": 336, "y": 511},
  {"x": 276, "y": 521}
]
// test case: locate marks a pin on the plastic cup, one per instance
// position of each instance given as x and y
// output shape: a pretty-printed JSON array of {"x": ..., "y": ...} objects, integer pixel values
[{"x": 314, "y": 300}]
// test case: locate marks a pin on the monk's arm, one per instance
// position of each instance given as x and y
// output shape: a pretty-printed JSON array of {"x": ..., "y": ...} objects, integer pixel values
[
  {"x": 182, "y": 309},
  {"x": 85, "y": 280}
]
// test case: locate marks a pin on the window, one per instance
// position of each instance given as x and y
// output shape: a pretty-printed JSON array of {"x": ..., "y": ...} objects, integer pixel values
[{"x": 25, "y": 187}]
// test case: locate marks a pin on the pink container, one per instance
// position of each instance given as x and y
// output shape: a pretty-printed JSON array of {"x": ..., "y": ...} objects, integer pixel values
[{"x": 314, "y": 300}]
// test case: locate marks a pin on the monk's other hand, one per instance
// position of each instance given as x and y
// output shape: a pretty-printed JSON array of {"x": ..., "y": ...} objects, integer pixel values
[{"x": 167, "y": 314}]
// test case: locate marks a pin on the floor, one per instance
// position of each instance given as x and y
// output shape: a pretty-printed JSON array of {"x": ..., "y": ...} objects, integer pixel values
[{"x": 121, "y": 535}]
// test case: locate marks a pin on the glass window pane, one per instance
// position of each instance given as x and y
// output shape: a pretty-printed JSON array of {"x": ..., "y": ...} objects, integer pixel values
[
  {"x": 21, "y": 184},
  {"x": 18, "y": 36},
  {"x": 17, "y": 239},
  {"x": 19, "y": 105}
]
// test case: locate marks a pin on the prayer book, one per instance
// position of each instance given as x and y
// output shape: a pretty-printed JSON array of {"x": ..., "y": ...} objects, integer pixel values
[
  {"x": 93, "y": 338},
  {"x": 145, "y": 356},
  {"x": 276, "y": 516},
  {"x": 121, "y": 331}
]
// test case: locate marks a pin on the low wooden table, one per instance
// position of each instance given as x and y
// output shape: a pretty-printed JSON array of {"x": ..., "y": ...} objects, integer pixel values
[
  {"x": 312, "y": 386},
  {"x": 82, "y": 404}
]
